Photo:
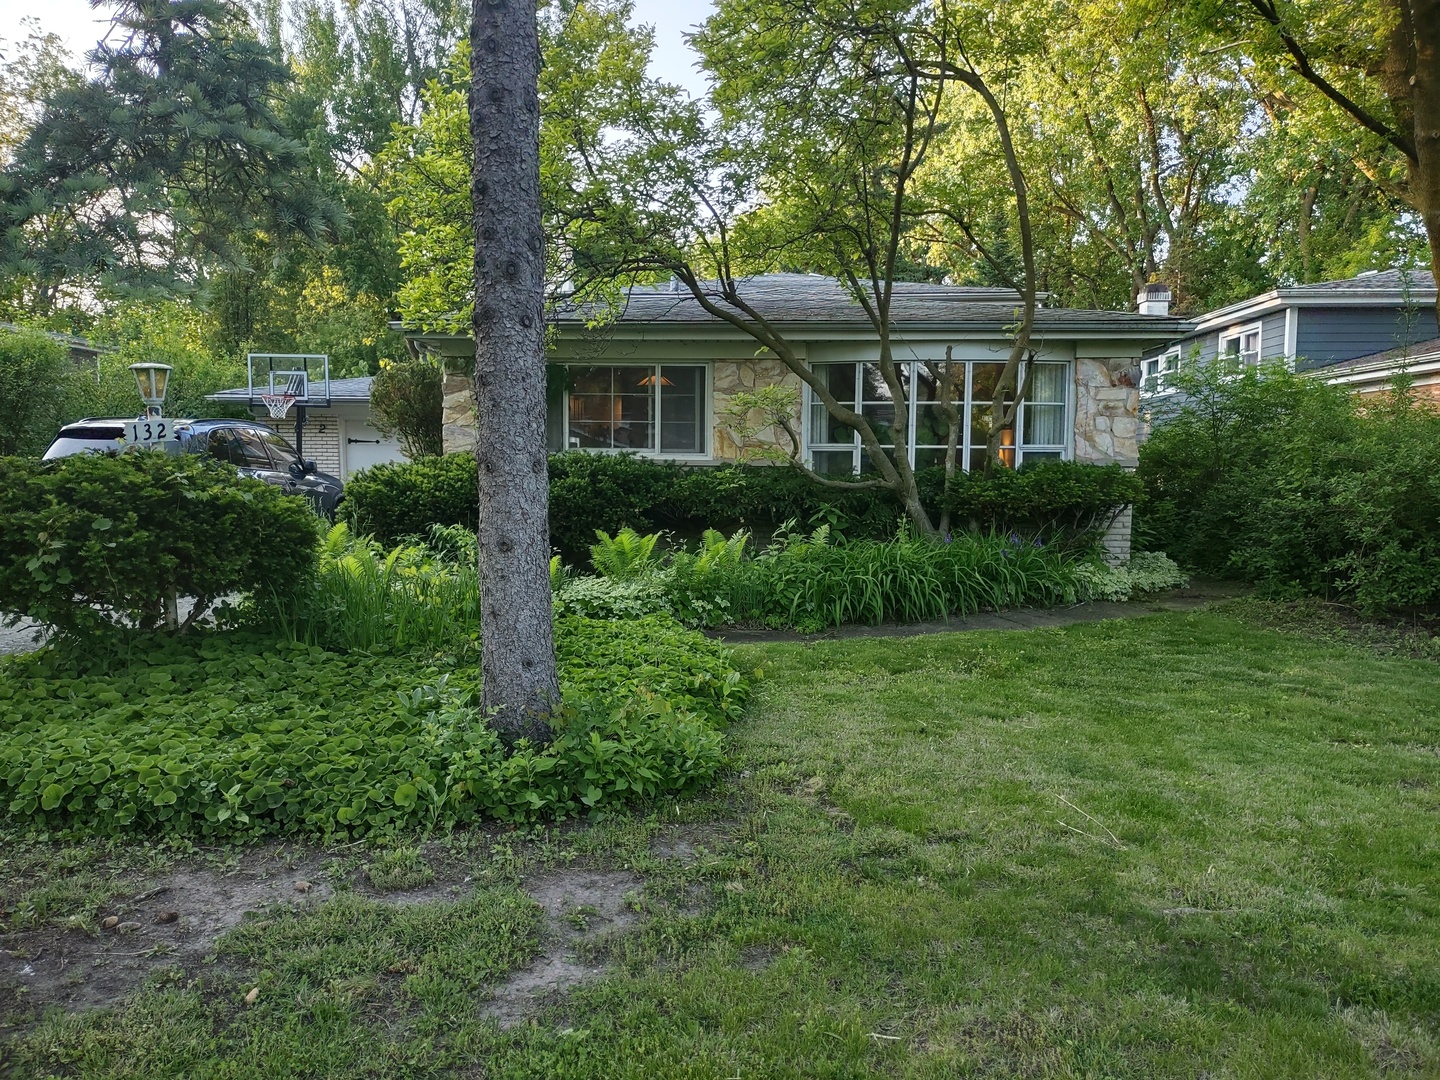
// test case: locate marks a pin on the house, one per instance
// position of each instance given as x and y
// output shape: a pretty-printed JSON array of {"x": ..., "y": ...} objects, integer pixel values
[
  {"x": 1377, "y": 372},
  {"x": 1310, "y": 327},
  {"x": 656, "y": 379},
  {"x": 339, "y": 435}
]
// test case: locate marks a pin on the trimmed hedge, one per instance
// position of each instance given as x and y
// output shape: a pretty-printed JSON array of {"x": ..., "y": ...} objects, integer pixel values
[
  {"x": 613, "y": 491},
  {"x": 102, "y": 539}
]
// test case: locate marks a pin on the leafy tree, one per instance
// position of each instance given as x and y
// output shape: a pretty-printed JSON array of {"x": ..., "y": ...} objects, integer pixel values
[
  {"x": 406, "y": 397},
  {"x": 520, "y": 687},
  {"x": 1371, "y": 68},
  {"x": 35, "y": 370},
  {"x": 169, "y": 331},
  {"x": 157, "y": 169}
]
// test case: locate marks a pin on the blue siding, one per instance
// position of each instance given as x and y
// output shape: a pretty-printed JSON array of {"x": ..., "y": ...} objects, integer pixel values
[
  {"x": 1272, "y": 337},
  {"x": 1329, "y": 335}
]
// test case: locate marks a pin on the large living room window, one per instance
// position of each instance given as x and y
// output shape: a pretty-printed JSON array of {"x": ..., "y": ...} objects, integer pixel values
[
  {"x": 835, "y": 450},
  {"x": 657, "y": 409}
]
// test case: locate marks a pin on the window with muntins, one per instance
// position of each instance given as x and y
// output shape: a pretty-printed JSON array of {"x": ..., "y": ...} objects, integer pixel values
[
  {"x": 834, "y": 449},
  {"x": 1158, "y": 369},
  {"x": 655, "y": 409},
  {"x": 1241, "y": 348}
]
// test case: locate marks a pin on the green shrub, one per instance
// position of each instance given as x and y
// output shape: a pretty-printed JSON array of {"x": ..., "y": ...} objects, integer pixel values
[
  {"x": 611, "y": 598},
  {"x": 218, "y": 735},
  {"x": 610, "y": 492},
  {"x": 98, "y": 539},
  {"x": 406, "y": 397},
  {"x": 35, "y": 373},
  {"x": 1282, "y": 481}
]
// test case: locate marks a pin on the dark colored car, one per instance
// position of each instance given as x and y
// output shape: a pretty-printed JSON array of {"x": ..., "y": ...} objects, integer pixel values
[{"x": 254, "y": 449}]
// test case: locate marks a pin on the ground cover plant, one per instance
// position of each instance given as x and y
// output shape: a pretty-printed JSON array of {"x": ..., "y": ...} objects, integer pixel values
[
  {"x": 234, "y": 734},
  {"x": 1136, "y": 849}
]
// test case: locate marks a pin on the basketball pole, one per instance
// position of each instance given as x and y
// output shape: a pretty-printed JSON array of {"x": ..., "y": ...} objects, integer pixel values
[{"x": 300, "y": 421}]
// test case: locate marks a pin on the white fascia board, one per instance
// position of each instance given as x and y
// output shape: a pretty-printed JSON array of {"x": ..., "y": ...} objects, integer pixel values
[
  {"x": 1429, "y": 364},
  {"x": 1292, "y": 334}
]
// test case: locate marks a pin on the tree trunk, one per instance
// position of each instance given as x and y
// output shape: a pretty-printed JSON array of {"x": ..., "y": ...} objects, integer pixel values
[
  {"x": 521, "y": 687},
  {"x": 1425, "y": 103}
]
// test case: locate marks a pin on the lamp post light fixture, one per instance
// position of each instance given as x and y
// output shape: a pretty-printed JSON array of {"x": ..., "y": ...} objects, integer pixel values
[{"x": 152, "y": 379}]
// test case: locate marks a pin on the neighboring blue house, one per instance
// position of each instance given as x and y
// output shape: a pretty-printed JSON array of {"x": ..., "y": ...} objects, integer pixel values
[{"x": 1309, "y": 327}]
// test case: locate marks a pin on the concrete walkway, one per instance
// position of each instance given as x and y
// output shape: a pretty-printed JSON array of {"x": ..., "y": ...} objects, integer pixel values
[{"x": 1196, "y": 595}]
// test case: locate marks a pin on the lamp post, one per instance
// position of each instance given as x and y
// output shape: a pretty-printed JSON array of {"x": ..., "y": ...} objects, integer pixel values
[{"x": 152, "y": 379}]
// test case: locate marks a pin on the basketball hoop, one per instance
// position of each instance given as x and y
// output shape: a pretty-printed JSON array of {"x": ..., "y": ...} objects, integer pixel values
[{"x": 278, "y": 404}]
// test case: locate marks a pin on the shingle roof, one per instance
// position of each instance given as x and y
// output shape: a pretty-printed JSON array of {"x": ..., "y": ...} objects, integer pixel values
[
  {"x": 340, "y": 390},
  {"x": 1421, "y": 350},
  {"x": 1382, "y": 281},
  {"x": 807, "y": 299}
]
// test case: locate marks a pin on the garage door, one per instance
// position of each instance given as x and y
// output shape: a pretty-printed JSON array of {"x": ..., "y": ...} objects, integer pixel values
[{"x": 363, "y": 446}]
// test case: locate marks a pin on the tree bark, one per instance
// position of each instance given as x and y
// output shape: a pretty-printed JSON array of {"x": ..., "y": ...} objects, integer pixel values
[
  {"x": 1425, "y": 107},
  {"x": 521, "y": 687}
]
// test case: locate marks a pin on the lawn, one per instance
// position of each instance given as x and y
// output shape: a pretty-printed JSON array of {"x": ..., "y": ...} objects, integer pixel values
[{"x": 1184, "y": 845}]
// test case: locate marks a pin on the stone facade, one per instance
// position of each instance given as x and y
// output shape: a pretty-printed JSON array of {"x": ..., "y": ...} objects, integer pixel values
[
  {"x": 1107, "y": 413},
  {"x": 457, "y": 413},
  {"x": 733, "y": 377}
]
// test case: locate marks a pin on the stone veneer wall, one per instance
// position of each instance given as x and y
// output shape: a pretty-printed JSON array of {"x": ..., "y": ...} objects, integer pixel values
[
  {"x": 1107, "y": 429},
  {"x": 457, "y": 413},
  {"x": 733, "y": 377}
]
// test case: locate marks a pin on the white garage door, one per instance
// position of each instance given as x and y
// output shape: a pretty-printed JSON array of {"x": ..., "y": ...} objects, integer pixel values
[{"x": 362, "y": 446}]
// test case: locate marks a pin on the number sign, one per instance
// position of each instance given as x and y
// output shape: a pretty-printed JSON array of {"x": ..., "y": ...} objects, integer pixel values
[{"x": 150, "y": 431}]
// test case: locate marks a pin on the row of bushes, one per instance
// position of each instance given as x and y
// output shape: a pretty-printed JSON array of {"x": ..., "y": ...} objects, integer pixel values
[
  {"x": 222, "y": 734},
  {"x": 1298, "y": 487},
  {"x": 610, "y": 492}
]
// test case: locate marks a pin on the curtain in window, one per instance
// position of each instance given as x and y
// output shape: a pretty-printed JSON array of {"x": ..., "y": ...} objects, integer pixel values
[{"x": 1045, "y": 407}]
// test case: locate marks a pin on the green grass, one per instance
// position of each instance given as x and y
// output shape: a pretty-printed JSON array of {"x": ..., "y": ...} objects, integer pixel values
[{"x": 1171, "y": 847}]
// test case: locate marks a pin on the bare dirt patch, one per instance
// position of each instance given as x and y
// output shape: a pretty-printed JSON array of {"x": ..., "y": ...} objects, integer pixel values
[
  {"x": 580, "y": 906},
  {"x": 170, "y": 920}
]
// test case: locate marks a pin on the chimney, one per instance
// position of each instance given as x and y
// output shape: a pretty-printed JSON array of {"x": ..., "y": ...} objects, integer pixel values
[{"x": 1154, "y": 299}]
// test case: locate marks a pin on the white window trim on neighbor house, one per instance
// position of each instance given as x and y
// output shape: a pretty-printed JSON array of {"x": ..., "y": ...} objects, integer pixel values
[
  {"x": 859, "y": 460},
  {"x": 1158, "y": 369},
  {"x": 705, "y": 421},
  {"x": 1237, "y": 335}
]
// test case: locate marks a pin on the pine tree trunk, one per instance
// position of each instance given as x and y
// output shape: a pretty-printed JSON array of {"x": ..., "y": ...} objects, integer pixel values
[{"x": 521, "y": 688}]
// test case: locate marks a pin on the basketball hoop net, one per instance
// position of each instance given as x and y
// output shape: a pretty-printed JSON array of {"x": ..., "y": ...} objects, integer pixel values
[{"x": 278, "y": 404}]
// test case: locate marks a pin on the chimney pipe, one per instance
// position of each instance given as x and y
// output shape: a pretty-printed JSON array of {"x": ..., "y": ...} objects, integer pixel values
[{"x": 1154, "y": 299}]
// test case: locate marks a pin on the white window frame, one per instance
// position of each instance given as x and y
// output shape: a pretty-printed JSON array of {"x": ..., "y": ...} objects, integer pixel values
[
  {"x": 1065, "y": 448},
  {"x": 1166, "y": 365},
  {"x": 706, "y": 393},
  {"x": 1237, "y": 334}
]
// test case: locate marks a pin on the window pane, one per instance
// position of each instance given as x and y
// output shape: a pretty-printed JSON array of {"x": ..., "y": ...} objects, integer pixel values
[
  {"x": 983, "y": 379},
  {"x": 1047, "y": 384},
  {"x": 839, "y": 379},
  {"x": 217, "y": 445},
  {"x": 930, "y": 377},
  {"x": 682, "y": 410},
  {"x": 1044, "y": 425},
  {"x": 882, "y": 421},
  {"x": 1042, "y": 455},
  {"x": 612, "y": 408},
  {"x": 931, "y": 426},
  {"x": 834, "y": 462},
  {"x": 873, "y": 386}
]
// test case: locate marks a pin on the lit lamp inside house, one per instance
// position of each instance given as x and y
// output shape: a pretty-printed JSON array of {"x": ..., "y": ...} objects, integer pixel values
[{"x": 152, "y": 379}]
